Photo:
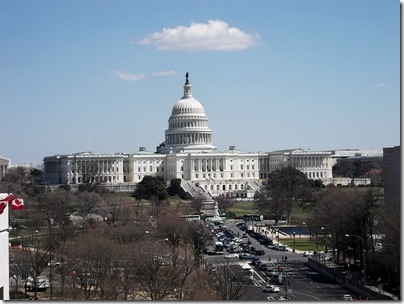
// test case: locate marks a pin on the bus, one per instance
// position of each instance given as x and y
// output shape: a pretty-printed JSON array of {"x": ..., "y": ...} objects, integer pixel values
[
  {"x": 191, "y": 217},
  {"x": 247, "y": 270},
  {"x": 253, "y": 217}
]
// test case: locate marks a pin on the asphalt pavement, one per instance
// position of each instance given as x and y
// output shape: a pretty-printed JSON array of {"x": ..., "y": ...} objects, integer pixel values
[{"x": 300, "y": 282}]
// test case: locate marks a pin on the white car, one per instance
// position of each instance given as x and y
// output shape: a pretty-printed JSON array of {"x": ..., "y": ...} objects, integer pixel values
[
  {"x": 308, "y": 253},
  {"x": 347, "y": 297},
  {"x": 231, "y": 256},
  {"x": 271, "y": 288}
]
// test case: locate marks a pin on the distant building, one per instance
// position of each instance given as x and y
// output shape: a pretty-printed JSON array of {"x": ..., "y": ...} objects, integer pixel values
[
  {"x": 392, "y": 173},
  {"x": 362, "y": 154},
  {"x": 187, "y": 153},
  {"x": 4, "y": 165}
]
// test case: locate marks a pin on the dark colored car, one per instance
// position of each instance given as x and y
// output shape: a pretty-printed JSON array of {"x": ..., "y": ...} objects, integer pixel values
[{"x": 259, "y": 252}]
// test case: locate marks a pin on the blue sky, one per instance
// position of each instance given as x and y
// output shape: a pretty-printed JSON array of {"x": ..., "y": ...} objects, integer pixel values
[{"x": 103, "y": 76}]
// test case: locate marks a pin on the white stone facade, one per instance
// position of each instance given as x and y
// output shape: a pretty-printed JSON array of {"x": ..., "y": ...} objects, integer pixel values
[
  {"x": 187, "y": 153},
  {"x": 4, "y": 165}
]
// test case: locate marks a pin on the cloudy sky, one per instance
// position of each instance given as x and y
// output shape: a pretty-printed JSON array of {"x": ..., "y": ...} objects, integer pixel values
[{"x": 103, "y": 76}]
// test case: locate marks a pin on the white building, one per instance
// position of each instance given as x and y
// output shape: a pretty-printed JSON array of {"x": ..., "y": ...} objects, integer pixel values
[
  {"x": 4, "y": 165},
  {"x": 4, "y": 254},
  {"x": 187, "y": 153}
]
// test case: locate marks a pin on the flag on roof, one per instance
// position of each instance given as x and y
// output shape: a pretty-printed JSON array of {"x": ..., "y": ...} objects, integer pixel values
[{"x": 15, "y": 202}]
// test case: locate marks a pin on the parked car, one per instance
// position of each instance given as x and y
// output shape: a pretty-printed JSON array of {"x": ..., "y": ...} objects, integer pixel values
[
  {"x": 244, "y": 256},
  {"x": 41, "y": 281},
  {"x": 271, "y": 288},
  {"x": 53, "y": 263},
  {"x": 231, "y": 256},
  {"x": 259, "y": 252},
  {"x": 347, "y": 297}
]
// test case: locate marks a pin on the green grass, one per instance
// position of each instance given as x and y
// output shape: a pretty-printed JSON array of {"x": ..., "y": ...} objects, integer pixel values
[
  {"x": 303, "y": 244},
  {"x": 241, "y": 208}
]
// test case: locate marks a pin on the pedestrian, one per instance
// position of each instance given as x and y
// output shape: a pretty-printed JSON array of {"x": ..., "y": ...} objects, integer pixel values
[
  {"x": 286, "y": 258},
  {"x": 277, "y": 259},
  {"x": 269, "y": 258},
  {"x": 282, "y": 258}
]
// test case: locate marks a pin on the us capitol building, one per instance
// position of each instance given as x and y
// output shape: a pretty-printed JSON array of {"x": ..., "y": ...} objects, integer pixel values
[{"x": 188, "y": 153}]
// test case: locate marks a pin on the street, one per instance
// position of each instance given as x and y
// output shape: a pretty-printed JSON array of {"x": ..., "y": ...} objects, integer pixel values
[{"x": 300, "y": 282}]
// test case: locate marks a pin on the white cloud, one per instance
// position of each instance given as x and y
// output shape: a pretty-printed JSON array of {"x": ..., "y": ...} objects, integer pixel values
[
  {"x": 128, "y": 76},
  {"x": 165, "y": 73},
  {"x": 216, "y": 35},
  {"x": 380, "y": 85}
]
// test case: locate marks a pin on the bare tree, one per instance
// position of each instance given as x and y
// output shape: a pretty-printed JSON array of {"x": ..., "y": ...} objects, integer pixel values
[
  {"x": 197, "y": 203},
  {"x": 90, "y": 175},
  {"x": 285, "y": 186},
  {"x": 19, "y": 268},
  {"x": 92, "y": 257},
  {"x": 230, "y": 282},
  {"x": 173, "y": 229},
  {"x": 36, "y": 257},
  {"x": 88, "y": 203},
  {"x": 224, "y": 203},
  {"x": 157, "y": 206},
  {"x": 154, "y": 278},
  {"x": 59, "y": 203},
  {"x": 272, "y": 204}
]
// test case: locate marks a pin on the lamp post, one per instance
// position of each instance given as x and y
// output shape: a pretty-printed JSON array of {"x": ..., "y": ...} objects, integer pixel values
[
  {"x": 362, "y": 261},
  {"x": 317, "y": 254},
  {"x": 294, "y": 241}
]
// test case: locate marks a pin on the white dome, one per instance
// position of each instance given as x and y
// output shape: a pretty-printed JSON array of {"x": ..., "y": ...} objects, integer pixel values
[
  {"x": 187, "y": 106},
  {"x": 187, "y": 126}
]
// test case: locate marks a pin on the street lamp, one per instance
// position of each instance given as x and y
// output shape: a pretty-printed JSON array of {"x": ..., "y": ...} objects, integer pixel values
[
  {"x": 294, "y": 241},
  {"x": 362, "y": 261},
  {"x": 322, "y": 229}
]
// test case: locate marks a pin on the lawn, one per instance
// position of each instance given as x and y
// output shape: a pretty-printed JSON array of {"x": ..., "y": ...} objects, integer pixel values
[
  {"x": 241, "y": 208},
  {"x": 303, "y": 244}
]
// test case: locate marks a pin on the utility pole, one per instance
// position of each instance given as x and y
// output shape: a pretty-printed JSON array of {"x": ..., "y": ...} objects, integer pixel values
[{"x": 50, "y": 252}]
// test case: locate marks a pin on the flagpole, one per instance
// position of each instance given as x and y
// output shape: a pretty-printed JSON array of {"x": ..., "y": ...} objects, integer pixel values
[{"x": 50, "y": 252}]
